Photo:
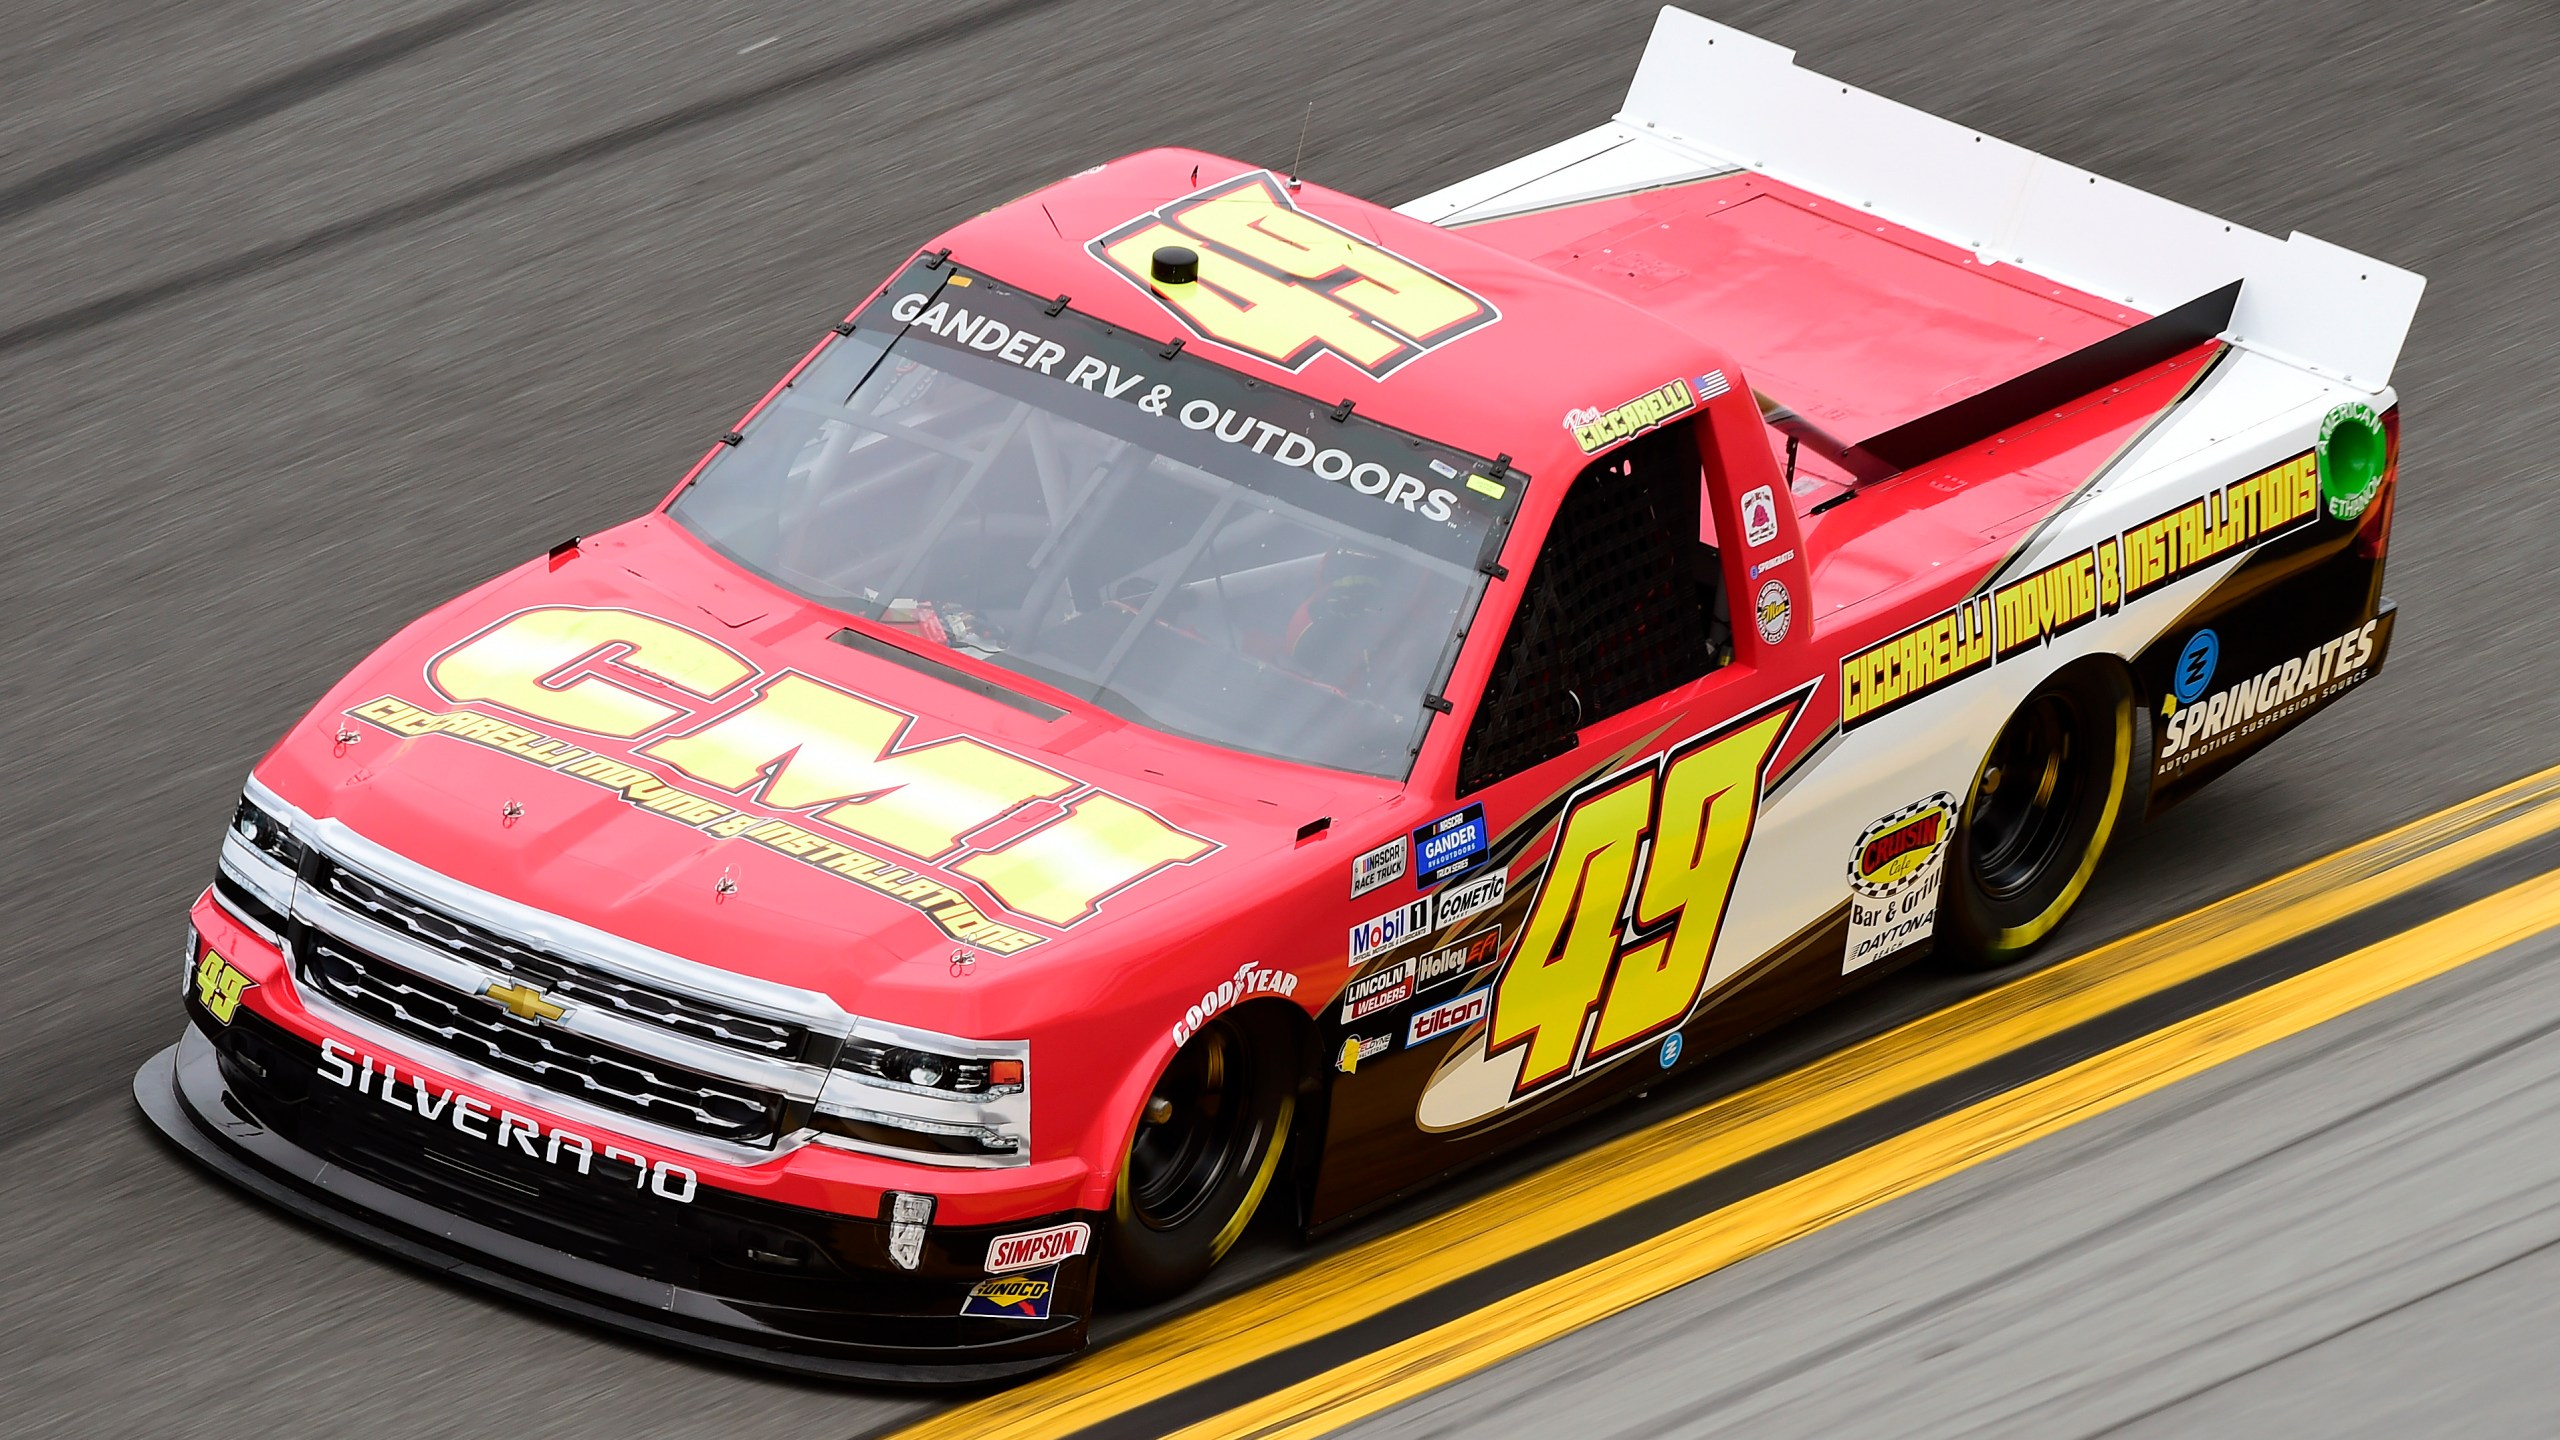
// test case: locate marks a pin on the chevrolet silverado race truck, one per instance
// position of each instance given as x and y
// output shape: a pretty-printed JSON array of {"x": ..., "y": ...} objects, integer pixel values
[{"x": 1206, "y": 694}]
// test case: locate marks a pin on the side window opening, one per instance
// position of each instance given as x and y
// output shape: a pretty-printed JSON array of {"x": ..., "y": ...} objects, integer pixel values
[{"x": 1626, "y": 603}]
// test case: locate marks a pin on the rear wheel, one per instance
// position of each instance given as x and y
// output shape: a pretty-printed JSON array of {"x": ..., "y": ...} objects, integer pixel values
[
  {"x": 1208, "y": 1142},
  {"x": 2049, "y": 796}
]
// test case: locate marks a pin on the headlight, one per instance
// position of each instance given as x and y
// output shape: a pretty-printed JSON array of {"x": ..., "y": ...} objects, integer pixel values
[
  {"x": 260, "y": 857},
  {"x": 922, "y": 1096}
]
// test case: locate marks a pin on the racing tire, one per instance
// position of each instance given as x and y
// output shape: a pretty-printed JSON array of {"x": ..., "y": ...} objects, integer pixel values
[
  {"x": 1206, "y": 1147},
  {"x": 2058, "y": 782}
]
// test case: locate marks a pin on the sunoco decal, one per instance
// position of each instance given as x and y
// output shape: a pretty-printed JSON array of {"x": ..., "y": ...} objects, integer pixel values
[
  {"x": 1894, "y": 873},
  {"x": 1012, "y": 1297},
  {"x": 1278, "y": 283}
]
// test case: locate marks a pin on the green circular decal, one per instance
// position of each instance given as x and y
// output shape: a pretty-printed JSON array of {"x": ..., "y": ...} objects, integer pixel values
[{"x": 2353, "y": 453}]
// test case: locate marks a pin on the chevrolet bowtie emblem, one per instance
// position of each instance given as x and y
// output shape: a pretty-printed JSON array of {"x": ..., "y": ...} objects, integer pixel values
[{"x": 525, "y": 1003}]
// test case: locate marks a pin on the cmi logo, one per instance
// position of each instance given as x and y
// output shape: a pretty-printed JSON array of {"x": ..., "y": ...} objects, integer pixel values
[{"x": 1278, "y": 283}]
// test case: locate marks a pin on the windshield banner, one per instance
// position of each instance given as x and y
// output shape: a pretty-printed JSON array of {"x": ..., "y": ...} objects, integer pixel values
[{"x": 1434, "y": 497}]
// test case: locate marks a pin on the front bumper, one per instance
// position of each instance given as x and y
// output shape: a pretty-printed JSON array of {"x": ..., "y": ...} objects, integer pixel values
[{"x": 731, "y": 1275}]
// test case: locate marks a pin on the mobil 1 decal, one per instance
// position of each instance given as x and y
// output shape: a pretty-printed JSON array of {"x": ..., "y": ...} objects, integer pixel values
[
  {"x": 1893, "y": 880},
  {"x": 1614, "y": 950}
]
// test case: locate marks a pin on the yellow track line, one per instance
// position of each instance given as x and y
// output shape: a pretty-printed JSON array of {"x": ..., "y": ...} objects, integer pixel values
[
  {"x": 1362, "y": 1280},
  {"x": 1893, "y": 1168}
]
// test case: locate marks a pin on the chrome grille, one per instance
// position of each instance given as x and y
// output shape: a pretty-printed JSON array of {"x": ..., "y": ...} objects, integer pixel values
[
  {"x": 484, "y": 1032},
  {"x": 685, "y": 1014}
]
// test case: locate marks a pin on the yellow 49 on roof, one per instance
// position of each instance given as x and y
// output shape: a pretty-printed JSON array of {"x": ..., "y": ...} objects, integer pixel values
[{"x": 1282, "y": 284}]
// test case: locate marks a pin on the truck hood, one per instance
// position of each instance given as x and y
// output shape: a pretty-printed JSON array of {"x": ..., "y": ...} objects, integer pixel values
[{"x": 806, "y": 872}]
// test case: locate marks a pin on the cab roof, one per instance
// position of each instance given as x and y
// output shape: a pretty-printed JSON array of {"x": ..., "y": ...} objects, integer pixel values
[{"x": 1500, "y": 382}]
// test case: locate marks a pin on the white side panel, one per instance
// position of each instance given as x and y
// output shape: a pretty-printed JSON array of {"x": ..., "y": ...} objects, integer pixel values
[
  {"x": 1728, "y": 95},
  {"x": 1610, "y": 160}
]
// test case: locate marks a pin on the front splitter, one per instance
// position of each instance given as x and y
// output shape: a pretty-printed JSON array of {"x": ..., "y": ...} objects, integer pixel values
[{"x": 182, "y": 1092}]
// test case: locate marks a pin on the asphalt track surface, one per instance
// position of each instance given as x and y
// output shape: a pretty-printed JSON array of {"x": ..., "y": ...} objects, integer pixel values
[{"x": 314, "y": 314}]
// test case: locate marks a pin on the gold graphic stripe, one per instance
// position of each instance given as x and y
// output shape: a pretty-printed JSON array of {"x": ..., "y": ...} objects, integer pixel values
[
  {"x": 1894, "y": 1168},
  {"x": 1362, "y": 1280}
]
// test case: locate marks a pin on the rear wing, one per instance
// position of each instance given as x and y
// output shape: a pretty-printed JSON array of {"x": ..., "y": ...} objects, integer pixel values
[{"x": 1708, "y": 98}]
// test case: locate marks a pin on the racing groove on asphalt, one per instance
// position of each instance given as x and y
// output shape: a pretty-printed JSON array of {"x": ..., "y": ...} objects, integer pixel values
[{"x": 316, "y": 315}]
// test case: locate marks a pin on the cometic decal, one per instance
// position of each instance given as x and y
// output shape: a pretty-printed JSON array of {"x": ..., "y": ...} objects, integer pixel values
[
  {"x": 1894, "y": 873},
  {"x": 843, "y": 767},
  {"x": 1012, "y": 1297},
  {"x": 1280, "y": 284}
]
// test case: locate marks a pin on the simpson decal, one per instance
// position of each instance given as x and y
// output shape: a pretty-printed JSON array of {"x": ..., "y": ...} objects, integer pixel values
[
  {"x": 1278, "y": 283},
  {"x": 1894, "y": 874},
  {"x": 1450, "y": 846},
  {"x": 1012, "y": 1297},
  {"x": 1034, "y": 1248},
  {"x": 1379, "y": 867},
  {"x": 1759, "y": 516},
  {"x": 1618, "y": 422}
]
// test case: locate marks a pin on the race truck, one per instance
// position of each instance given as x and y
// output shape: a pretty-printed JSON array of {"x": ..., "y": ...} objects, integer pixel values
[{"x": 1205, "y": 695}]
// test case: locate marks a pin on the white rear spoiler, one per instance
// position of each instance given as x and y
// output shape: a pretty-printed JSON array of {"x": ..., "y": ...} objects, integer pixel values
[{"x": 1708, "y": 97}]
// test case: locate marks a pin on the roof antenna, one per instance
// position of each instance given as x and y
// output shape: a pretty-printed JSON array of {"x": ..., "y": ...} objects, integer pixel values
[{"x": 1302, "y": 144}]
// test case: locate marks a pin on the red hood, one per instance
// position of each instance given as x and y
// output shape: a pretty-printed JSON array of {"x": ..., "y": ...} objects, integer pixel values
[{"x": 484, "y": 795}]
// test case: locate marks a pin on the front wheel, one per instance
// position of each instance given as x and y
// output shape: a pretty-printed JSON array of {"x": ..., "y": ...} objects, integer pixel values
[
  {"x": 2043, "y": 806},
  {"x": 1207, "y": 1144}
]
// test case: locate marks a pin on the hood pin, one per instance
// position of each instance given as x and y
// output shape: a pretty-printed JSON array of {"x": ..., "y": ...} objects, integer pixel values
[
  {"x": 347, "y": 736},
  {"x": 724, "y": 887},
  {"x": 961, "y": 960},
  {"x": 510, "y": 813}
]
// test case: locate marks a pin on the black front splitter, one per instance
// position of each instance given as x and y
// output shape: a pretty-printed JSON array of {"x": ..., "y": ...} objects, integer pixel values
[{"x": 177, "y": 1087}]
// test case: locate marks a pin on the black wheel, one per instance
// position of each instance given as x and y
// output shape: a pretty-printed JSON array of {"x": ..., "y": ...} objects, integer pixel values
[
  {"x": 1205, "y": 1150},
  {"x": 2059, "y": 779}
]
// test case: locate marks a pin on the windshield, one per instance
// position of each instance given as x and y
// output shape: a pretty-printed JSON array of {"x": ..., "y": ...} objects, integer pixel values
[{"x": 1197, "y": 551}]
